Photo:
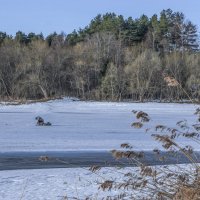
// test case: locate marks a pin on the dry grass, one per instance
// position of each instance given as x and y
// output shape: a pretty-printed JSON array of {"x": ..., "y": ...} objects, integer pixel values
[{"x": 187, "y": 193}]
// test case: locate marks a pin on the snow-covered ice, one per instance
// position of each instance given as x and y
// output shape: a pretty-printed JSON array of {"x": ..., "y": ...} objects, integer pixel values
[
  {"x": 56, "y": 184},
  {"x": 79, "y": 125},
  {"x": 73, "y": 183}
]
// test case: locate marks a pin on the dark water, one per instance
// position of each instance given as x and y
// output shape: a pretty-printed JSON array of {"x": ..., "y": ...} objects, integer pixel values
[{"x": 30, "y": 160}]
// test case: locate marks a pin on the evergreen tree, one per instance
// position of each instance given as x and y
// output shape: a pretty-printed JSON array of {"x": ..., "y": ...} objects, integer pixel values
[
  {"x": 50, "y": 38},
  {"x": 21, "y": 37},
  {"x": 154, "y": 27},
  {"x": 3, "y": 36}
]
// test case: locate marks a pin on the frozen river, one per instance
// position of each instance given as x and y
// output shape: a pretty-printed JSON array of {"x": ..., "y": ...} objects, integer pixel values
[{"x": 78, "y": 125}]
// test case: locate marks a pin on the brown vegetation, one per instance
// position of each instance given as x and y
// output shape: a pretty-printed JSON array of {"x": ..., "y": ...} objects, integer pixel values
[{"x": 111, "y": 59}]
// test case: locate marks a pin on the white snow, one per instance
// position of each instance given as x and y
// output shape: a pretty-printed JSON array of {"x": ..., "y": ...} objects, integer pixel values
[
  {"x": 79, "y": 125},
  {"x": 55, "y": 184},
  {"x": 70, "y": 183}
]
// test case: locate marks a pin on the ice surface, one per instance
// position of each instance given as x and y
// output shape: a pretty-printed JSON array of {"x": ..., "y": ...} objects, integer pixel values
[
  {"x": 70, "y": 183},
  {"x": 56, "y": 184},
  {"x": 79, "y": 125}
]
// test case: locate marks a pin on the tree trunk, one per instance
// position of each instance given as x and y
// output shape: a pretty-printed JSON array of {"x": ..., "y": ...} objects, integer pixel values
[{"x": 44, "y": 92}]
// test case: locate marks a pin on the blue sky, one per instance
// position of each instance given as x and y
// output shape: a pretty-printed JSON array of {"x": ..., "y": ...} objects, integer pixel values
[{"x": 48, "y": 16}]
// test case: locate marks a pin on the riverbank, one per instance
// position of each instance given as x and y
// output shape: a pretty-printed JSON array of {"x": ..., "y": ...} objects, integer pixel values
[{"x": 31, "y": 101}]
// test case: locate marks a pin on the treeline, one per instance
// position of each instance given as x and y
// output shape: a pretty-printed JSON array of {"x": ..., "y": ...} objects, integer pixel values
[{"x": 111, "y": 59}]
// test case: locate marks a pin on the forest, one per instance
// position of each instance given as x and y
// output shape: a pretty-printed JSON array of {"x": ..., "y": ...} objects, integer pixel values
[{"x": 113, "y": 58}]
